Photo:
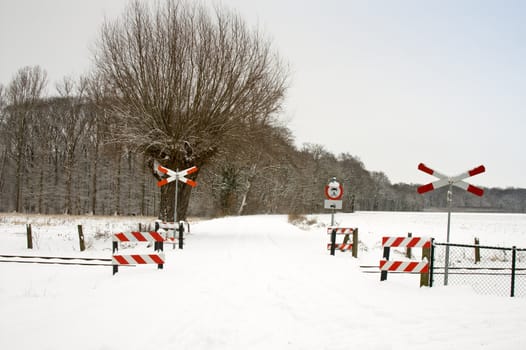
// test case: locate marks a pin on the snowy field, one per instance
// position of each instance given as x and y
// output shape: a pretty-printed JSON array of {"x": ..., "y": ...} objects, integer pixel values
[{"x": 253, "y": 282}]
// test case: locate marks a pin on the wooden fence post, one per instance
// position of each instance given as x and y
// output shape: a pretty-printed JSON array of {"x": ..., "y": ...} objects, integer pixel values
[
  {"x": 355, "y": 243},
  {"x": 408, "y": 249},
  {"x": 477, "y": 250},
  {"x": 424, "y": 276},
  {"x": 29, "y": 236},
  {"x": 81, "y": 239}
]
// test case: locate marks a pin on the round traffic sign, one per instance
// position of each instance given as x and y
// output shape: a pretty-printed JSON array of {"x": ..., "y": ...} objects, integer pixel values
[{"x": 334, "y": 190}]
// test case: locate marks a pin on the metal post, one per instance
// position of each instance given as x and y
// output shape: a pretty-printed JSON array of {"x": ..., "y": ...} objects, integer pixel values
[
  {"x": 383, "y": 274},
  {"x": 176, "y": 190},
  {"x": 115, "y": 248},
  {"x": 450, "y": 203},
  {"x": 159, "y": 247},
  {"x": 432, "y": 263},
  {"x": 181, "y": 236},
  {"x": 333, "y": 241},
  {"x": 513, "y": 267},
  {"x": 332, "y": 215}
]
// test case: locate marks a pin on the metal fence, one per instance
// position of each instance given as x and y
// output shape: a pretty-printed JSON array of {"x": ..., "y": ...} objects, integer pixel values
[{"x": 487, "y": 270}]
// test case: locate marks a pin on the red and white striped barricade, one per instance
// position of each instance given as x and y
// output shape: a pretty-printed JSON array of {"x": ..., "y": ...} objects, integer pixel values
[
  {"x": 138, "y": 259},
  {"x": 404, "y": 266},
  {"x": 410, "y": 266},
  {"x": 134, "y": 236},
  {"x": 345, "y": 245}
]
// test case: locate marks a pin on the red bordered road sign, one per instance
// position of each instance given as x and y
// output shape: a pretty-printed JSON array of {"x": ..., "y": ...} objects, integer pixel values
[
  {"x": 444, "y": 180},
  {"x": 334, "y": 190}
]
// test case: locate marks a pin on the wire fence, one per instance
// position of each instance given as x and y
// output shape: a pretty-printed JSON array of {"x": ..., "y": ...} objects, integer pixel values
[{"x": 487, "y": 270}]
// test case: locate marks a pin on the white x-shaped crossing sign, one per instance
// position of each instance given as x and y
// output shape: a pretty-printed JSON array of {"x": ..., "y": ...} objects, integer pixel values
[
  {"x": 177, "y": 175},
  {"x": 455, "y": 180}
]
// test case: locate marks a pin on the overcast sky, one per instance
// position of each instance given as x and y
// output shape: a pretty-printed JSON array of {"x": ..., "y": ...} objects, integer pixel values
[{"x": 394, "y": 83}]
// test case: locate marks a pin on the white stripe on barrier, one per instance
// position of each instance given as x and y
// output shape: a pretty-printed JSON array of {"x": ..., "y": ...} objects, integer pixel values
[
  {"x": 340, "y": 246},
  {"x": 404, "y": 266},
  {"x": 138, "y": 236},
  {"x": 340, "y": 230},
  {"x": 157, "y": 258},
  {"x": 408, "y": 242}
]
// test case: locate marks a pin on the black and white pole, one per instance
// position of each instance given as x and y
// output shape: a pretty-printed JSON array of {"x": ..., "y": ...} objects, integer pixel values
[{"x": 442, "y": 181}]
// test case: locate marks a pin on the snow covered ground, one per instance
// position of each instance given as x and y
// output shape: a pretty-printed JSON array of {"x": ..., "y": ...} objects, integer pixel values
[{"x": 253, "y": 282}]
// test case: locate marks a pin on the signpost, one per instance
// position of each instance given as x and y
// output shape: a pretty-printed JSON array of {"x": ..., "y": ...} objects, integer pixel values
[
  {"x": 334, "y": 194},
  {"x": 457, "y": 181},
  {"x": 177, "y": 176}
]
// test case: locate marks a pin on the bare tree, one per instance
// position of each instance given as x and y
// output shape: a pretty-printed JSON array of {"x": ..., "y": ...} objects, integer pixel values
[
  {"x": 3, "y": 144},
  {"x": 24, "y": 91},
  {"x": 73, "y": 126},
  {"x": 186, "y": 81}
]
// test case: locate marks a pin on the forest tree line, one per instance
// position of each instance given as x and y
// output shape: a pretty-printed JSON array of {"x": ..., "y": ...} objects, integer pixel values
[{"x": 57, "y": 155}]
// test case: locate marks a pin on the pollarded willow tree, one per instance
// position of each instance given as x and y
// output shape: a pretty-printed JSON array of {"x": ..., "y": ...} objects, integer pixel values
[{"x": 186, "y": 80}]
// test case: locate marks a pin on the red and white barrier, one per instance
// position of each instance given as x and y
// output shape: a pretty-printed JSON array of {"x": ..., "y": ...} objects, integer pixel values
[
  {"x": 340, "y": 230},
  {"x": 134, "y": 236},
  {"x": 404, "y": 266},
  {"x": 421, "y": 267},
  {"x": 138, "y": 259},
  {"x": 341, "y": 246},
  {"x": 138, "y": 236},
  {"x": 408, "y": 242}
]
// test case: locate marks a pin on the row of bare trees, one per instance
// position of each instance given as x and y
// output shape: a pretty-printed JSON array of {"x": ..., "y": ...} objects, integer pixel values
[{"x": 58, "y": 156}]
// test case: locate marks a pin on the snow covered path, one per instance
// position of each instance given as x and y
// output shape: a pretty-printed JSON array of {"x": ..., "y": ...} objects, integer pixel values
[{"x": 246, "y": 283}]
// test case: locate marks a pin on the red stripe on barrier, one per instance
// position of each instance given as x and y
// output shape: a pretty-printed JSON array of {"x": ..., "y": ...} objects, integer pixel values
[
  {"x": 410, "y": 267},
  {"x": 138, "y": 259},
  {"x": 395, "y": 265},
  {"x": 425, "y": 269},
  {"x": 157, "y": 236},
  {"x": 121, "y": 260},
  {"x": 156, "y": 258},
  {"x": 398, "y": 241},
  {"x": 413, "y": 242},
  {"x": 139, "y": 236},
  {"x": 121, "y": 237}
]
